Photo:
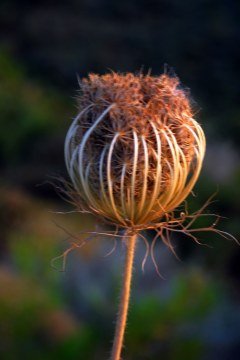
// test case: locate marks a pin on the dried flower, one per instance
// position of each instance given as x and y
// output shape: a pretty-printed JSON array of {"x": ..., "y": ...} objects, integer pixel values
[{"x": 134, "y": 153}]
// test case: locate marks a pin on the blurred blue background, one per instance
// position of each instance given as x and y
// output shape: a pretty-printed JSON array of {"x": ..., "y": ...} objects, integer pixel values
[{"x": 47, "y": 314}]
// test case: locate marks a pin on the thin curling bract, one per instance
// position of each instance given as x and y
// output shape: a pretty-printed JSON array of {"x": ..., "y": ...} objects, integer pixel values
[{"x": 134, "y": 152}]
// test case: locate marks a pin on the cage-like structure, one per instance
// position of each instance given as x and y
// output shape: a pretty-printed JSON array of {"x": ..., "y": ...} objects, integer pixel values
[{"x": 134, "y": 151}]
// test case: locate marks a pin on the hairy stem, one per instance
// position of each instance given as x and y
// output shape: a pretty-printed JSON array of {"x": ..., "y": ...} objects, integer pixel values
[{"x": 124, "y": 299}]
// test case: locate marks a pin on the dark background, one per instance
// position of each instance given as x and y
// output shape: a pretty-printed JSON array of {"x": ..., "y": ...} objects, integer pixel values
[{"x": 48, "y": 314}]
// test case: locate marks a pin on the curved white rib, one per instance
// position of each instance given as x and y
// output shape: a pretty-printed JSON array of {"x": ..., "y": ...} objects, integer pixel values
[
  {"x": 158, "y": 176},
  {"x": 101, "y": 179},
  {"x": 133, "y": 178},
  {"x": 122, "y": 192},
  {"x": 83, "y": 143},
  {"x": 72, "y": 129},
  {"x": 109, "y": 180},
  {"x": 145, "y": 175}
]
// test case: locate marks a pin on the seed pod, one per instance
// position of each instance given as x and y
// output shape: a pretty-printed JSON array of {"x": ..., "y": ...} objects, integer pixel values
[{"x": 134, "y": 151}]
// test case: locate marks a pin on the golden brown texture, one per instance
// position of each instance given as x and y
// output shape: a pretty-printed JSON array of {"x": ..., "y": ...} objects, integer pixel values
[{"x": 134, "y": 152}]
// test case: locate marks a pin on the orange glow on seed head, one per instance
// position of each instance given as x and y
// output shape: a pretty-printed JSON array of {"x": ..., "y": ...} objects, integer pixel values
[{"x": 134, "y": 151}]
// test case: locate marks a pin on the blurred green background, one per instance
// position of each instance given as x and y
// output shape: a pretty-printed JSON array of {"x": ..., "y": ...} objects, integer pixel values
[{"x": 48, "y": 314}]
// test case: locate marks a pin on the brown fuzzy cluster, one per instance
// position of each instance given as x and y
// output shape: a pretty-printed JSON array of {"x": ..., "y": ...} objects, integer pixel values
[
  {"x": 149, "y": 129},
  {"x": 138, "y": 100}
]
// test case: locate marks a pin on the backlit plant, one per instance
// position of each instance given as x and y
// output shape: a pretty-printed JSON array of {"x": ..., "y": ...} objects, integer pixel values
[{"x": 134, "y": 153}]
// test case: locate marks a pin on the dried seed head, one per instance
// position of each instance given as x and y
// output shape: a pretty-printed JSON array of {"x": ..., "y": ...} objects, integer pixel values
[{"x": 134, "y": 151}]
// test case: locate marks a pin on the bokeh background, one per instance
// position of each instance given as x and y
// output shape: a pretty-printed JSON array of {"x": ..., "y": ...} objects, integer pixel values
[{"x": 48, "y": 314}]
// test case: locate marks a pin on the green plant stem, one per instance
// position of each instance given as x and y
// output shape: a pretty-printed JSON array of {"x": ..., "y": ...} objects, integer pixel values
[{"x": 124, "y": 298}]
